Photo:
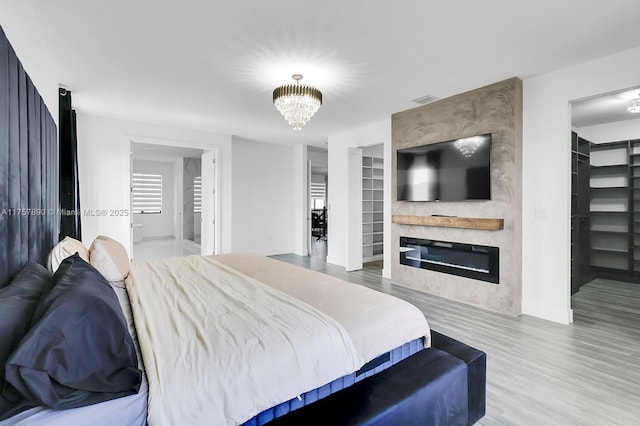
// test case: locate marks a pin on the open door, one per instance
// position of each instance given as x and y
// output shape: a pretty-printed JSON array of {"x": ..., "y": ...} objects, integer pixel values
[
  {"x": 354, "y": 217},
  {"x": 207, "y": 244},
  {"x": 130, "y": 206}
]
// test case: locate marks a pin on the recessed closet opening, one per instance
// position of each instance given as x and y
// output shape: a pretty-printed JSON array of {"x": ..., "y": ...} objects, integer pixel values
[
  {"x": 605, "y": 200},
  {"x": 373, "y": 208}
]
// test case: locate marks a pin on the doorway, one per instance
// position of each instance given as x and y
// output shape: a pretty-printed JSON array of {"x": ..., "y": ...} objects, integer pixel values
[
  {"x": 172, "y": 201},
  {"x": 318, "y": 214},
  {"x": 373, "y": 208},
  {"x": 605, "y": 205},
  {"x": 317, "y": 209},
  {"x": 365, "y": 195}
]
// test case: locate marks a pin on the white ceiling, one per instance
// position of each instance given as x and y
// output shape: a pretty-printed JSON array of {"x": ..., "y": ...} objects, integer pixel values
[
  {"x": 212, "y": 65},
  {"x": 606, "y": 108}
]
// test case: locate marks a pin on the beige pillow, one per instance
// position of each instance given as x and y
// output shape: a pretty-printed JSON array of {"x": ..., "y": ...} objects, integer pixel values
[
  {"x": 65, "y": 248},
  {"x": 110, "y": 258}
]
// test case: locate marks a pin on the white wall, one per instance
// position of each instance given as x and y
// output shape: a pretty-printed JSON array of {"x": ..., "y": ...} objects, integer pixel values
[
  {"x": 22, "y": 30},
  {"x": 611, "y": 132},
  {"x": 265, "y": 194},
  {"x": 158, "y": 225},
  {"x": 546, "y": 175},
  {"x": 104, "y": 169},
  {"x": 377, "y": 133}
]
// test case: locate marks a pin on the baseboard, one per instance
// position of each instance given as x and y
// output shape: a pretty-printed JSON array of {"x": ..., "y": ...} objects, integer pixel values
[
  {"x": 547, "y": 313},
  {"x": 386, "y": 273},
  {"x": 160, "y": 238},
  {"x": 272, "y": 252},
  {"x": 335, "y": 261}
]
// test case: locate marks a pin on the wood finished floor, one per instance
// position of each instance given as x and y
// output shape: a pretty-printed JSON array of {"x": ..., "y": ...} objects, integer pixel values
[{"x": 539, "y": 372}]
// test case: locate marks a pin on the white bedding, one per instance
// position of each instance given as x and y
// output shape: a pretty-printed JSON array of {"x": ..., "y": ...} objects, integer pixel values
[
  {"x": 219, "y": 347},
  {"x": 129, "y": 410},
  {"x": 376, "y": 322}
]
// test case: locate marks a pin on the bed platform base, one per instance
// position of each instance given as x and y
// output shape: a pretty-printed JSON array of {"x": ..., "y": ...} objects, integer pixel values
[
  {"x": 444, "y": 384},
  {"x": 476, "y": 362}
]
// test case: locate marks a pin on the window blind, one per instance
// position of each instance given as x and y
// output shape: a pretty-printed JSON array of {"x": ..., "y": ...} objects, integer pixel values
[
  {"x": 318, "y": 195},
  {"x": 197, "y": 194},
  {"x": 146, "y": 193}
]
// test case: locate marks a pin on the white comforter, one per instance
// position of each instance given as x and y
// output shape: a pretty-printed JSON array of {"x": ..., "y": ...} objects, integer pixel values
[
  {"x": 219, "y": 347},
  {"x": 376, "y": 322}
]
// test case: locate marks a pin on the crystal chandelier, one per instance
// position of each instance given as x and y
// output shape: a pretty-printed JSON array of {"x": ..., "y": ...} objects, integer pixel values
[
  {"x": 634, "y": 105},
  {"x": 468, "y": 146},
  {"x": 297, "y": 102}
]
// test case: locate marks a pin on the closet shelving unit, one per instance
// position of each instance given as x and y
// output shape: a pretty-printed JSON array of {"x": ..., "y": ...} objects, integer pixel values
[
  {"x": 372, "y": 208},
  {"x": 615, "y": 209},
  {"x": 634, "y": 201},
  {"x": 580, "y": 227}
]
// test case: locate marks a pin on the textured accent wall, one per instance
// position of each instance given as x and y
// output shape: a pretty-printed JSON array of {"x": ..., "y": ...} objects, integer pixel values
[{"x": 495, "y": 109}]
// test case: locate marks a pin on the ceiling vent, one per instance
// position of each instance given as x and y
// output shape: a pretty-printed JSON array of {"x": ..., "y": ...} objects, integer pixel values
[{"x": 427, "y": 99}]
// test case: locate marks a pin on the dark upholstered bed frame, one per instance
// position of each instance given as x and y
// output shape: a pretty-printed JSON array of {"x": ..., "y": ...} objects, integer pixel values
[
  {"x": 441, "y": 385},
  {"x": 28, "y": 169}
]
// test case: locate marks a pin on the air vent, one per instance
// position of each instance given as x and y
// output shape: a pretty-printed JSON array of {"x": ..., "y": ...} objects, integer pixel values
[{"x": 427, "y": 99}]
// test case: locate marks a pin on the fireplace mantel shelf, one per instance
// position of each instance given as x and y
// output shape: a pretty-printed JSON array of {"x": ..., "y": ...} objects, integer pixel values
[{"x": 451, "y": 222}]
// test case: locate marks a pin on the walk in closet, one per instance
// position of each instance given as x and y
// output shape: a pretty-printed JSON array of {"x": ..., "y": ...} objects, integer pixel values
[{"x": 613, "y": 214}]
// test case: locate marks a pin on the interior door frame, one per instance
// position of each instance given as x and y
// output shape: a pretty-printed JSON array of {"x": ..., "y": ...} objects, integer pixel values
[
  {"x": 208, "y": 232},
  {"x": 354, "y": 209},
  {"x": 216, "y": 150}
]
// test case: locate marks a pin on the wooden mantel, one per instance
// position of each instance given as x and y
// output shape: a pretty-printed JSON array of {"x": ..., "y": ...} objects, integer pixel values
[{"x": 451, "y": 222}]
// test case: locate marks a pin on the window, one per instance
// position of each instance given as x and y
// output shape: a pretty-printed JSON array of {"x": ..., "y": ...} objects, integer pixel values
[
  {"x": 318, "y": 194},
  {"x": 197, "y": 194},
  {"x": 146, "y": 193}
]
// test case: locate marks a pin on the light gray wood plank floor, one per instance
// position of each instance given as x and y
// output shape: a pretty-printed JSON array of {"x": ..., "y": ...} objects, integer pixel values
[{"x": 540, "y": 372}]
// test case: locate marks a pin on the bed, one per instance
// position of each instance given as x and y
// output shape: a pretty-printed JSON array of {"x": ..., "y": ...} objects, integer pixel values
[{"x": 243, "y": 339}]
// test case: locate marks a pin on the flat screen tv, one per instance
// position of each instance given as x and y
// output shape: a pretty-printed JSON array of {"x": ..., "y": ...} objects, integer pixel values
[{"x": 455, "y": 170}]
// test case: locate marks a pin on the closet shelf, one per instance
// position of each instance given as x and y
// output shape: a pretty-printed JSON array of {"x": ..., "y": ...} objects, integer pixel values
[
  {"x": 609, "y": 250},
  {"x": 609, "y": 166},
  {"x": 597, "y": 231},
  {"x": 607, "y": 211}
]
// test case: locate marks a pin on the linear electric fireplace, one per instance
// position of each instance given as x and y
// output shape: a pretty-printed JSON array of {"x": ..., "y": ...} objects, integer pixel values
[{"x": 465, "y": 260}]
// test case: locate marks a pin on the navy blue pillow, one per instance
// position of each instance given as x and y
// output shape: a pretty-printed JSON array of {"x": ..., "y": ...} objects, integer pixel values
[
  {"x": 18, "y": 301},
  {"x": 78, "y": 350}
]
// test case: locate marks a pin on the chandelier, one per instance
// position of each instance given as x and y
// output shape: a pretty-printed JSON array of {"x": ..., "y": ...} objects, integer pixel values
[
  {"x": 634, "y": 105},
  {"x": 297, "y": 102},
  {"x": 468, "y": 146}
]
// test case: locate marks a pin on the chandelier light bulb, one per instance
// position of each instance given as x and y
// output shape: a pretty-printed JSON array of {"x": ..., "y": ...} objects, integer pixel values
[{"x": 634, "y": 106}]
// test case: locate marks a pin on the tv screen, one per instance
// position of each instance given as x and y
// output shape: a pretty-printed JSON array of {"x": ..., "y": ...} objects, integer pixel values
[{"x": 455, "y": 170}]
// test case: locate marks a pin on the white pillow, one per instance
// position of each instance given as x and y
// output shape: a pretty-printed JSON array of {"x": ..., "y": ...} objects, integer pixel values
[
  {"x": 110, "y": 258},
  {"x": 65, "y": 248}
]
